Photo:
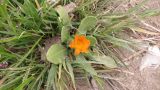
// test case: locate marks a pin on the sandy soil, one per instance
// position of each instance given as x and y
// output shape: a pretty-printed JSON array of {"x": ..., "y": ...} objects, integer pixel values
[
  {"x": 131, "y": 78},
  {"x": 149, "y": 78}
]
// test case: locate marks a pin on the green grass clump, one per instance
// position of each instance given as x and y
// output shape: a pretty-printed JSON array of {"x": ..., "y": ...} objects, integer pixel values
[{"x": 35, "y": 37}]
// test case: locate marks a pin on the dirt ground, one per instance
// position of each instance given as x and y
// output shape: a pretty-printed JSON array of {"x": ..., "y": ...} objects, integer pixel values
[
  {"x": 149, "y": 78},
  {"x": 132, "y": 78}
]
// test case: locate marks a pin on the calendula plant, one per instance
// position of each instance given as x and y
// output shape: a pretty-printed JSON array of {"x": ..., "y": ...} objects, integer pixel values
[{"x": 45, "y": 47}]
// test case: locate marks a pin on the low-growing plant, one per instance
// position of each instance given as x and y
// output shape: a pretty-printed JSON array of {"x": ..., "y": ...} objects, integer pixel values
[{"x": 46, "y": 47}]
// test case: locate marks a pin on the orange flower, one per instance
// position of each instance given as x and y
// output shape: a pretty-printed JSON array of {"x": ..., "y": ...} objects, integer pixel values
[{"x": 80, "y": 44}]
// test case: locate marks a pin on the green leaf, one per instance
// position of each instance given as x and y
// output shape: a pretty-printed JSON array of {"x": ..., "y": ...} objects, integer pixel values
[
  {"x": 59, "y": 71},
  {"x": 64, "y": 17},
  {"x": 51, "y": 77},
  {"x": 70, "y": 68},
  {"x": 37, "y": 84},
  {"x": 9, "y": 39},
  {"x": 10, "y": 84},
  {"x": 107, "y": 61},
  {"x": 23, "y": 84},
  {"x": 100, "y": 82},
  {"x": 143, "y": 30},
  {"x": 119, "y": 42},
  {"x": 4, "y": 52},
  {"x": 56, "y": 54},
  {"x": 92, "y": 39},
  {"x": 29, "y": 9},
  {"x": 137, "y": 7},
  {"x": 83, "y": 63},
  {"x": 65, "y": 33},
  {"x": 29, "y": 52},
  {"x": 87, "y": 24}
]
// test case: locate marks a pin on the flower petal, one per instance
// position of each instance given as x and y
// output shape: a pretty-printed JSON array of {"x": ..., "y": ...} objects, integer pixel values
[
  {"x": 77, "y": 52},
  {"x": 80, "y": 44}
]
